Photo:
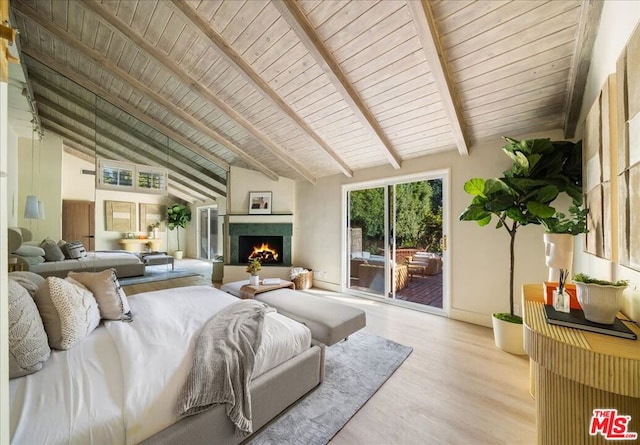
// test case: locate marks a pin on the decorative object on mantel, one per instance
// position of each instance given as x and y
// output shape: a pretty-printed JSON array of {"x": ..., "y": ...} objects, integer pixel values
[
  {"x": 153, "y": 230},
  {"x": 178, "y": 215},
  {"x": 541, "y": 170},
  {"x": 253, "y": 268},
  {"x": 601, "y": 300},
  {"x": 259, "y": 203}
]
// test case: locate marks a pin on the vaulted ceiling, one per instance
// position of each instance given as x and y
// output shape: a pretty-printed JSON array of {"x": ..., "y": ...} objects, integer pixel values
[{"x": 299, "y": 89}]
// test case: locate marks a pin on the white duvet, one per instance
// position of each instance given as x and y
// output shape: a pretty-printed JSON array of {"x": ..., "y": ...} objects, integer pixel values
[{"x": 121, "y": 384}]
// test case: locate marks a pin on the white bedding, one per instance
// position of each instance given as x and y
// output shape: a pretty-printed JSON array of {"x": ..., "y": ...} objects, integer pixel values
[{"x": 124, "y": 380}]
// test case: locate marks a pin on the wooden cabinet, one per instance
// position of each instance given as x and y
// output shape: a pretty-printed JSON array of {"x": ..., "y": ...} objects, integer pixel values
[
  {"x": 78, "y": 222},
  {"x": 577, "y": 372}
]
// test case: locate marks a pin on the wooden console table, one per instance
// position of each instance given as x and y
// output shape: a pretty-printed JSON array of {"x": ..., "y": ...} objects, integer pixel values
[
  {"x": 576, "y": 372},
  {"x": 138, "y": 245}
]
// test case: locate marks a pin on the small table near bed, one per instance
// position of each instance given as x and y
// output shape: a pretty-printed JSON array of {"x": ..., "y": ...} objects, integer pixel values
[{"x": 249, "y": 291}]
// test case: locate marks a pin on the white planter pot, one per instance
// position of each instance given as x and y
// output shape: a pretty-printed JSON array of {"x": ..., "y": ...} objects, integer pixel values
[
  {"x": 178, "y": 254},
  {"x": 508, "y": 336},
  {"x": 600, "y": 303},
  {"x": 254, "y": 280}
]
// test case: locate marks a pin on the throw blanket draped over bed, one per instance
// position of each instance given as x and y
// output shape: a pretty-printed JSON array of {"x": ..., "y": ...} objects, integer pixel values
[{"x": 223, "y": 364}]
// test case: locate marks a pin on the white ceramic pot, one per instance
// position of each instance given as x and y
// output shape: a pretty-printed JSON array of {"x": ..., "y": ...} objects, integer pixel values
[
  {"x": 508, "y": 336},
  {"x": 178, "y": 254},
  {"x": 254, "y": 280},
  {"x": 600, "y": 303}
]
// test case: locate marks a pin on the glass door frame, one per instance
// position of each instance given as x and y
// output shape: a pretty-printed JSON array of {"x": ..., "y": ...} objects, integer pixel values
[
  {"x": 387, "y": 183},
  {"x": 199, "y": 229}
]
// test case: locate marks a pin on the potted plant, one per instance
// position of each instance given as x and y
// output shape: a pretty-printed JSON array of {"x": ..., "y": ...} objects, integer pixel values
[
  {"x": 601, "y": 300},
  {"x": 253, "y": 268},
  {"x": 541, "y": 170},
  {"x": 178, "y": 215},
  {"x": 153, "y": 230}
]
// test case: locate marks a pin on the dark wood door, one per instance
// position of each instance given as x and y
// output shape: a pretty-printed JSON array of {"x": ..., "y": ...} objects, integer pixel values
[{"x": 78, "y": 222}]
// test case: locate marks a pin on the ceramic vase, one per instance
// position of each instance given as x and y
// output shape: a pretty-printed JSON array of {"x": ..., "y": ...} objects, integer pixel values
[
  {"x": 600, "y": 303},
  {"x": 254, "y": 280}
]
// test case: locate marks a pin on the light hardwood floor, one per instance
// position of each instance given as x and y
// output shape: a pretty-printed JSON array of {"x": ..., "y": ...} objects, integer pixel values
[{"x": 455, "y": 387}]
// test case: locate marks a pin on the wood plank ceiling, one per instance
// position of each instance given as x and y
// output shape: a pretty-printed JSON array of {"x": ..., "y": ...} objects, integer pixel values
[{"x": 299, "y": 89}]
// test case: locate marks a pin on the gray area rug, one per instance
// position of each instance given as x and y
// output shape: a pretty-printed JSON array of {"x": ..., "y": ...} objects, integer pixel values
[
  {"x": 354, "y": 370},
  {"x": 156, "y": 275}
]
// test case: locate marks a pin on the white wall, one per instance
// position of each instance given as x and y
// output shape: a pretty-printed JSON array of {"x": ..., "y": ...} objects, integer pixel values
[
  {"x": 75, "y": 184},
  {"x": 40, "y": 173},
  {"x": 619, "y": 19},
  {"x": 479, "y": 255}
]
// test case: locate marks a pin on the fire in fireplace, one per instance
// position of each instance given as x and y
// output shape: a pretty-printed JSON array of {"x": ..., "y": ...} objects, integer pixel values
[{"x": 267, "y": 249}]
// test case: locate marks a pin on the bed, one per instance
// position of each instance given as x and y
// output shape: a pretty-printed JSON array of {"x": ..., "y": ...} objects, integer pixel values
[
  {"x": 31, "y": 256},
  {"x": 122, "y": 382}
]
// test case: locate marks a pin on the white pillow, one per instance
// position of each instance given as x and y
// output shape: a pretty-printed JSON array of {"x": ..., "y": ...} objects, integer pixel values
[
  {"x": 107, "y": 291},
  {"x": 27, "y": 250},
  {"x": 28, "y": 346},
  {"x": 29, "y": 280},
  {"x": 69, "y": 311}
]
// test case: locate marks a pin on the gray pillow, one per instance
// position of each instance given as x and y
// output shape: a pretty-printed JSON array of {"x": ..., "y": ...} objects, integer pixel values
[
  {"x": 69, "y": 312},
  {"x": 31, "y": 260},
  {"x": 28, "y": 250},
  {"x": 29, "y": 280},
  {"x": 51, "y": 250},
  {"x": 74, "y": 250},
  {"x": 28, "y": 345}
]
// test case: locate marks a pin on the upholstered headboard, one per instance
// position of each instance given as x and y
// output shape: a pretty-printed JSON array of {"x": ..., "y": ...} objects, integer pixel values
[{"x": 17, "y": 236}]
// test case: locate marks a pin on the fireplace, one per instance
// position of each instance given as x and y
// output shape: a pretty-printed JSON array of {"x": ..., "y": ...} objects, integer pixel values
[
  {"x": 266, "y": 249},
  {"x": 271, "y": 242}
]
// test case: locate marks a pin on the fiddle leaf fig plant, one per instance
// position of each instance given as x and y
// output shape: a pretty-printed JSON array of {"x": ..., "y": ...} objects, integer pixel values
[
  {"x": 541, "y": 170},
  {"x": 178, "y": 215}
]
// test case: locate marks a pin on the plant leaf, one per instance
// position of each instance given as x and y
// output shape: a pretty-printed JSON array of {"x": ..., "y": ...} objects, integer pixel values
[
  {"x": 475, "y": 186},
  {"x": 540, "y": 210}
]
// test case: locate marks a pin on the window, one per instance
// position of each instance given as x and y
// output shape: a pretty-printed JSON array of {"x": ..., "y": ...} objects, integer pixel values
[{"x": 115, "y": 175}]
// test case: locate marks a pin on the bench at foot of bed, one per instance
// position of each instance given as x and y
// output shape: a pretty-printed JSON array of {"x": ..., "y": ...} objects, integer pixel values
[{"x": 328, "y": 321}]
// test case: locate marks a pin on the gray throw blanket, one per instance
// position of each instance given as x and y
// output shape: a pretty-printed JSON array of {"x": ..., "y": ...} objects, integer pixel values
[{"x": 223, "y": 364}]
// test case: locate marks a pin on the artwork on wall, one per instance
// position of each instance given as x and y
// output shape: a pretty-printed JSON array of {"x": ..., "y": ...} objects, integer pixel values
[
  {"x": 259, "y": 203},
  {"x": 597, "y": 172},
  {"x": 628, "y": 159},
  {"x": 120, "y": 216},
  {"x": 152, "y": 215}
]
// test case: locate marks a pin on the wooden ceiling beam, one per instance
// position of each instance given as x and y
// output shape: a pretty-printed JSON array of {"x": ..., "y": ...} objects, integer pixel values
[
  {"x": 428, "y": 35},
  {"x": 125, "y": 30},
  {"x": 323, "y": 57},
  {"x": 125, "y": 107},
  {"x": 175, "y": 173},
  {"x": 110, "y": 68},
  {"x": 118, "y": 124},
  {"x": 175, "y": 192},
  {"x": 589, "y": 23},
  {"x": 84, "y": 153},
  {"x": 236, "y": 61}
]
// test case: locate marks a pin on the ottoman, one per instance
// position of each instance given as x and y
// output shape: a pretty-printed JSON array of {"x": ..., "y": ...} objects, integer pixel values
[
  {"x": 328, "y": 321},
  {"x": 158, "y": 259}
]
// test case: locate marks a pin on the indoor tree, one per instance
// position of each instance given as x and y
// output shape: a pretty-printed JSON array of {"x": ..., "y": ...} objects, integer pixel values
[{"x": 541, "y": 170}]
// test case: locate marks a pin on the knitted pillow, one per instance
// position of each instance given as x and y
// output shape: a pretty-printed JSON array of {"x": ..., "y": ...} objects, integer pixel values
[
  {"x": 51, "y": 250},
  {"x": 69, "y": 312},
  {"x": 28, "y": 347},
  {"x": 107, "y": 291},
  {"x": 29, "y": 280}
]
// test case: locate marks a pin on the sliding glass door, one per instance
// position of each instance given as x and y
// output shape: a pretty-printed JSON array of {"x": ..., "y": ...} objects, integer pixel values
[
  {"x": 395, "y": 240},
  {"x": 208, "y": 248}
]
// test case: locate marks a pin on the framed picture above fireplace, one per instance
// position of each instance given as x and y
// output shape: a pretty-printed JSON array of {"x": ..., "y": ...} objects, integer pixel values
[{"x": 259, "y": 203}]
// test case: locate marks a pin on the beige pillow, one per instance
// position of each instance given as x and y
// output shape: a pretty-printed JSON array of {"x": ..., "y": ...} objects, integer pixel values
[
  {"x": 28, "y": 346},
  {"x": 69, "y": 312},
  {"x": 107, "y": 291}
]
